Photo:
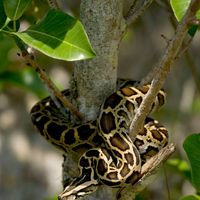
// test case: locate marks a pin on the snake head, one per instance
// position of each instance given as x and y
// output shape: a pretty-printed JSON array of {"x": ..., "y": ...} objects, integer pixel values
[
  {"x": 71, "y": 193},
  {"x": 79, "y": 187}
]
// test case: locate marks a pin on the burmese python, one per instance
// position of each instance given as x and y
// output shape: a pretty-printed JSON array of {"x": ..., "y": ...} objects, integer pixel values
[{"x": 109, "y": 155}]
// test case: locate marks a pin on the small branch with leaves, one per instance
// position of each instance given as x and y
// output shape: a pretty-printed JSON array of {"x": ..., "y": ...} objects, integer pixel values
[{"x": 162, "y": 70}]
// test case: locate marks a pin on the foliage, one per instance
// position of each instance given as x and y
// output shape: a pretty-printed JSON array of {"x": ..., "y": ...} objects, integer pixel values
[
  {"x": 179, "y": 8},
  {"x": 25, "y": 79},
  {"x": 191, "y": 147},
  {"x": 15, "y": 9},
  {"x": 190, "y": 197},
  {"x": 67, "y": 39},
  {"x": 180, "y": 166},
  {"x": 56, "y": 34},
  {"x": 63, "y": 37},
  {"x": 52, "y": 198}
]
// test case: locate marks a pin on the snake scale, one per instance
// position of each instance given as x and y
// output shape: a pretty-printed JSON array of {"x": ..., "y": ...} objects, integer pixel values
[{"x": 108, "y": 155}]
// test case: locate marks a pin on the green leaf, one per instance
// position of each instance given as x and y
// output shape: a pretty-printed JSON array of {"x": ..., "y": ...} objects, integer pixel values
[
  {"x": 12, "y": 26},
  {"x": 181, "y": 166},
  {"x": 6, "y": 45},
  {"x": 59, "y": 36},
  {"x": 26, "y": 79},
  {"x": 2, "y": 15},
  {"x": 179, "y": 8},
  {"x": 52, "y": 198},
  {"x": 15, "y": 8},
  {"x": 192, "y": 147},
  {"x": 191, "y": 197},
  {"x": 193, "y": 30}
]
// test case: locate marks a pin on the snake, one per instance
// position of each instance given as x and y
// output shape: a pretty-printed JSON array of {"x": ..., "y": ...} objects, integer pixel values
[{"x": 107, "y": 153}]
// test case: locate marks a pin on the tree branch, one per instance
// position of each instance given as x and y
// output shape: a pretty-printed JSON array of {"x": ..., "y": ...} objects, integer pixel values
[
  {"x": 163, "y": 68},
  {"x": 134, "y": 13},
  {"x": 53, "y": 90},
  {"x": 190, "y": 62},
  {"x": 53, "y": 4}
]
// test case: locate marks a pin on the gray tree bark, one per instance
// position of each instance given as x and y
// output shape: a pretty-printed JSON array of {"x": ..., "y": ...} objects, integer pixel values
[{"x": 95, "y": 79}]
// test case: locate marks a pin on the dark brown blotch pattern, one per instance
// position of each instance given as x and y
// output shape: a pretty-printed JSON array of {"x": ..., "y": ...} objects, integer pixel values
[
  {"x": 130, "y": 106},
  {"x": 41, "y": 123},
  {"x": 138, "y": 142},
  {"x": 55, "y": 130},
  {"x": 156, "y": 135},
  {"x": 119, "y": 142},
  {"x": 164, "y": 131},
  {"x": 125, "y": 170},
  {"x": 143, "y": 132},
  {"x": 101, "y": 167},
  {"x": 85, "y": 131},
  {"x": 112, "y": 175},
  {"x": 84, "y": 162},
  {"x": 127, "y": 91},
  {"x": 92, "y": 153},
  {"x": 129, "y": 158},
  {"x": 161, "y": 99},
  {"x": 144, "y": 89},
  {"x": 69, "y": 137},
  {"x": 138, "y": 100},
  {"x": 112, "y": 101},
  {"x": 107, "y": 122}
]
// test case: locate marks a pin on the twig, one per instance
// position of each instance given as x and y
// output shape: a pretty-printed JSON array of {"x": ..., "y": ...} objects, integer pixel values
[
  {"x": 54, "y": 91},
  {"x": 149, "y": 169},
  {"x": 190, "y": 62},
  {"x": 133, "y": 13},
  {"x": 53, "y": 4},
  {"x": 164, "y": 67},
  {"x": 195, "y": 22}
]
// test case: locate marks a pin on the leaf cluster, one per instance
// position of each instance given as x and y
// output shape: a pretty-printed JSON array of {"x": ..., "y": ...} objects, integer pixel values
[{"x": 55, "y": 34}]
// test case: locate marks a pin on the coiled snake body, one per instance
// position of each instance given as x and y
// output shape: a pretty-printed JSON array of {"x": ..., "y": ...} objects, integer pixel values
[{"x": 109, "y": 155}]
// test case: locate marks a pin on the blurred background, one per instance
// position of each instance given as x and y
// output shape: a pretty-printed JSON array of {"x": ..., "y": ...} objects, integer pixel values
[{"x": 30, "y": 168}]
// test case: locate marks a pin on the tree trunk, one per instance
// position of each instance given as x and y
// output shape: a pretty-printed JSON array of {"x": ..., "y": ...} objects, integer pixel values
[{"x": 95, "y": 79}]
